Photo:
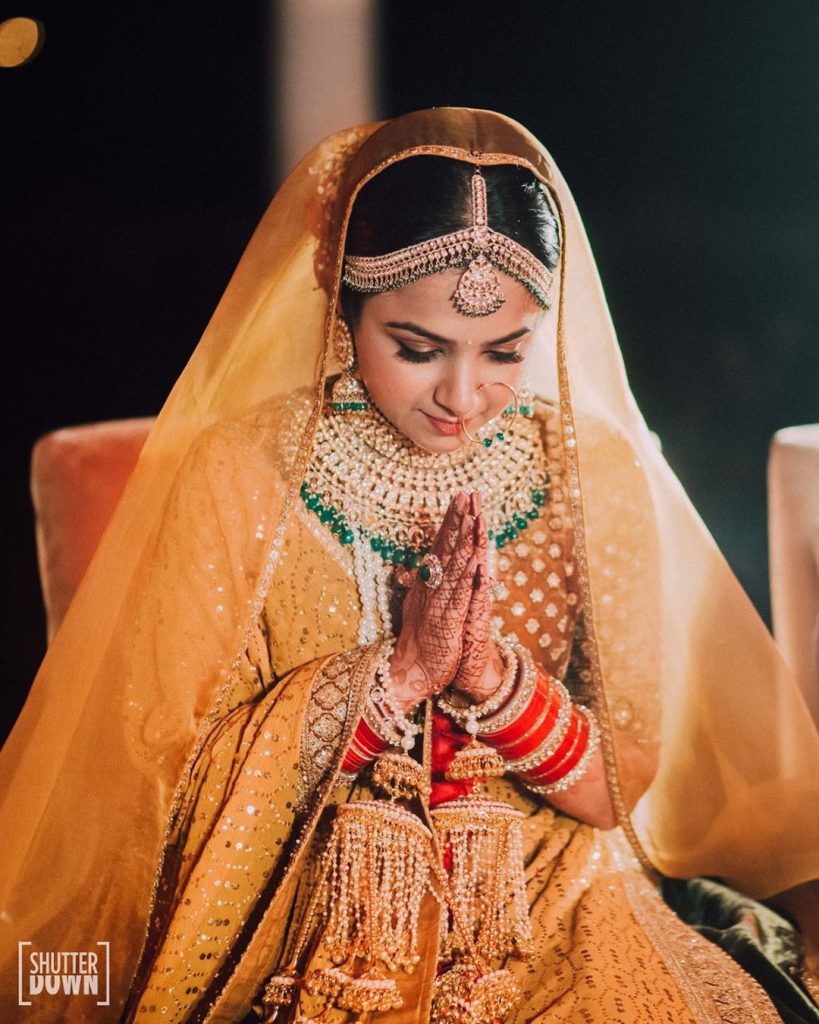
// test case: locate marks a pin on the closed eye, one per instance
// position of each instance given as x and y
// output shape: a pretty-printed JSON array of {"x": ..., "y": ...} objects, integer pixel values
[
  {"x": 506, "y": 357},
  {"x": 412, "y": 355}
]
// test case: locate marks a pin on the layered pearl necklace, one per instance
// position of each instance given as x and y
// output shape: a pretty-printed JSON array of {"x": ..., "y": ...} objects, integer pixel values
[{"x": 384, "y": 497}]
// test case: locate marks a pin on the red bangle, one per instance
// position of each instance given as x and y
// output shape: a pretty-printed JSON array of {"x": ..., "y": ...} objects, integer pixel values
[
  {"x": 579, "y": 750},
  {"x": 576, "y": 753},
  {"x": 521, "y": 725},
  {"x": 526, "y": 719},
  {"x": 544, "y": 776},
  {"x": 571, "y": 759},
  {"x": 540, "y": 730},
  {"x": 364, "y": 747},
  {"x": 537, "y": 773}
]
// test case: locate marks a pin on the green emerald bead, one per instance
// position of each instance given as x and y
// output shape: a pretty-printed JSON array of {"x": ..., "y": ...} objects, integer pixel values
[
  {"x": 398, "y": 556},
  {"x": 387, "y": 549},
  {"x": 336, "y": 527},
  {"x": 531, "y": 513},
  {"x": 376, "y": 543},
  {"x": 487, "y": 442},
  {"x": 500, "y": 435},
  {"x": 538, "y": 497},
  {"x": 425, "y": 572},
  {"x": 303, "y": 491},
  {"x": 413, "y": 559},
  {"x": 522, "y": 522},
  {"x": 511, "y": 533},
  {"x": 325, "y": 515},
  {"x": 347, "y": 537},
  {"x": 490, "y": 534},
  {"x": 509, "y": 410},
  {"x": 500, "y": 540},
  {"x": 313, "y": 502}
]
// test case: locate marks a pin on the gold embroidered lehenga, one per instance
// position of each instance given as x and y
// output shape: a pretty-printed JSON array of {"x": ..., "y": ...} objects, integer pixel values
[{"x": 201, "y": 725}]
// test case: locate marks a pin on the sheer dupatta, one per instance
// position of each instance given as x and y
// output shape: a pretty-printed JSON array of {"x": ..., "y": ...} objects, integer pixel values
[{"x": 697, "y": 707}]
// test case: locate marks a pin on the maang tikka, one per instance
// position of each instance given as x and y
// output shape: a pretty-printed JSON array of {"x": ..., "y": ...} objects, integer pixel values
[
  {"x": 478, "y": 249},
  {"x": 348, "y": 391}
]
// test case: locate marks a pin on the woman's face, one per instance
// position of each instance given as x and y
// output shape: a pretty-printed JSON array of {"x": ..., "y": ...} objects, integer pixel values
[{"x": 424, "y": 363}]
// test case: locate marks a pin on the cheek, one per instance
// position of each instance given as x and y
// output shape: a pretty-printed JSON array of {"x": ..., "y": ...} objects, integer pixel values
[{"x": 499, "y": 396}]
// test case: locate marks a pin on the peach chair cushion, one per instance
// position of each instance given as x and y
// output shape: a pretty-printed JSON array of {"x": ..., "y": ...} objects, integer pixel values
[
  {"x": 793, "y": 536},
  {"x": 77, "y": 477}
]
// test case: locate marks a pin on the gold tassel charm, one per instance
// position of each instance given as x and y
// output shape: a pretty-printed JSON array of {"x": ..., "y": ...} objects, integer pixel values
[
  {"x": 367, "y": 992},
  {"x": 375, "y": 872},
  {"x": 280, "y": 990},
  {"x": 476, "y": 761},
  {"x": 400, "y": 777}
]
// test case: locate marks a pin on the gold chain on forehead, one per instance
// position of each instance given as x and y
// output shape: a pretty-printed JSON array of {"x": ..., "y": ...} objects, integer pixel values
[{"x": 479, "y": 249}]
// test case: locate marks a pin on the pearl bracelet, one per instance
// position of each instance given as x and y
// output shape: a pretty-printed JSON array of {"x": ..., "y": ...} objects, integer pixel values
[
  {"x": 467, "y": 717},
  {"x": 381, "y": 696}
]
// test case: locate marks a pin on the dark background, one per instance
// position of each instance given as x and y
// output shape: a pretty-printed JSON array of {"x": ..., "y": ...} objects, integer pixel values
[{"x": 136, "y": 162}]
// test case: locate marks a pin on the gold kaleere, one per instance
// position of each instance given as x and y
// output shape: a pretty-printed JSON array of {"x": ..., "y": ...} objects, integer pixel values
[
  {"x": 374, "y": 873},
  {"x": 489, "y": 911},
  {"x": 471, "y": 994}
]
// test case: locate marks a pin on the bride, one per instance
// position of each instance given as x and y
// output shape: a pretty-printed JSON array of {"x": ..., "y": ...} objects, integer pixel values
[{"x": 405, "y": 669}]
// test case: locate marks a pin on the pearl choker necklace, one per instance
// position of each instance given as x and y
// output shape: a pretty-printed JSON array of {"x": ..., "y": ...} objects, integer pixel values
[{"x": 366, "y": 479}]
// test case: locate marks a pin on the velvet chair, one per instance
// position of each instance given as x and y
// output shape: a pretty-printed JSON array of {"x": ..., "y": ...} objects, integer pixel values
[{"x": 77, "y": 477}]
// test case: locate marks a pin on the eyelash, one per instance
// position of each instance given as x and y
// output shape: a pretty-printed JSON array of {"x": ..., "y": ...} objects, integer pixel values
[{"x": 410, "y": 355}]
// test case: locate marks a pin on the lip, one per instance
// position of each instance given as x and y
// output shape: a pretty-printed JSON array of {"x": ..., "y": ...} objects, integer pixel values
[{"x": 449, "y": 428}]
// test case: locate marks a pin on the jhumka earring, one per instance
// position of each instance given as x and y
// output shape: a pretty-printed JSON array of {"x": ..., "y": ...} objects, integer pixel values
[
  {"x": 488, "y": 435},
  {"x": 526, "y": 401},
  {"x": 348, "y": 391}
]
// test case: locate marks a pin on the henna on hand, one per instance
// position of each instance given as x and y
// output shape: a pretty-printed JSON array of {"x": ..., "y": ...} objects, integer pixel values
[
  {"x": 429, "y": 647},
  {"x": 480, "y": 670}
]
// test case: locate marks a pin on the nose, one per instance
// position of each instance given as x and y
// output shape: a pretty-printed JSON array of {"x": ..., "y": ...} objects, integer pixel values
[{"x": 457, "y": 390}]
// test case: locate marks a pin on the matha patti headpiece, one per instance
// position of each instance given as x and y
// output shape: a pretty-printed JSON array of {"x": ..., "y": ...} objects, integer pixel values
[{"x": 479, "y": 249}]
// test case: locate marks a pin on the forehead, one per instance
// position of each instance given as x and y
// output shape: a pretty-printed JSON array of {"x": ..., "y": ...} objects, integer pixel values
[{"x": 428, "y": 303}]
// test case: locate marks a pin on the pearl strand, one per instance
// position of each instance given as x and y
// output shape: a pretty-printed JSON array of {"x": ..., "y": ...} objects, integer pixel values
[
  {"x": 372, "y": 579},
  {"x": 382, "y": 592},
  {"x": 367, "y": 626}
]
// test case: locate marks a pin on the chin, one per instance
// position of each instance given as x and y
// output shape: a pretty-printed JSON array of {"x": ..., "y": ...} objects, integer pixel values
[{"x": 439, "y": 444}]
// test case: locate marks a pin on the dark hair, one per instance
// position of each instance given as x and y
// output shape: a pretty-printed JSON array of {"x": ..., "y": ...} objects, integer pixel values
[{"x": 423, "y": 197}]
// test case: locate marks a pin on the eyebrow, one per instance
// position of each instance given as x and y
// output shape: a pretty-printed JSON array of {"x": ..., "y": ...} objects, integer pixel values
[{"x": 423, "y": 333}]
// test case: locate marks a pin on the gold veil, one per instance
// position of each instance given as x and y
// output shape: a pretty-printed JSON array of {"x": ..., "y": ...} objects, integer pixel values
[{"x": 684, "y": 674}]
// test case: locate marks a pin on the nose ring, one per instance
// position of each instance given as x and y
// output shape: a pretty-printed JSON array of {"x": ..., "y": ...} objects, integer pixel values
[{"x": 494, "y": 383}]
